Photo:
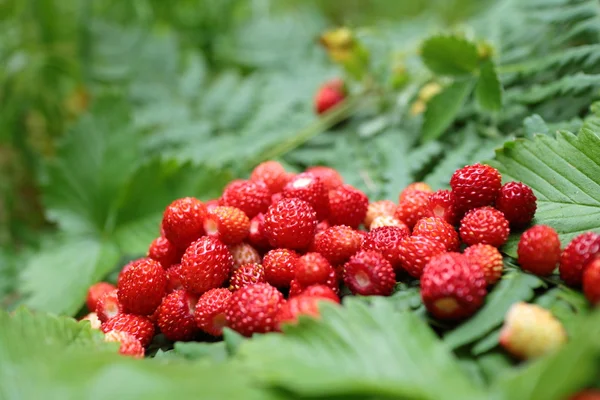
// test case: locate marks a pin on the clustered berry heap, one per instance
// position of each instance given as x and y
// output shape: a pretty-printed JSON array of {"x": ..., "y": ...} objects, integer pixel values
[{"x": 274, "y": 246}]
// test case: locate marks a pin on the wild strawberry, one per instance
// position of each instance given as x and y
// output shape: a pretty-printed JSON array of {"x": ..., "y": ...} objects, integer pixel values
[
  {"x": 484, "y": 225},
  {"x": 129, "y": 345},
  {"x": 488, "y": 258},
  {"x": 272, "y": 174},
  {"x": 329, "y": 95},
  {"x": 531, "y": 331},
  {"x": 385, "y": 220},
  {"x": 211, "y": 205},
  {"x": 329, "y": 176},
  {"x": 312, "y": 269},
  {"x": 369, "y": 273},
  {"x": 174, "y": 278},
  {"x": 95, "y": 292},
  {"x": 413, "y": 207},
  {"x": 243, "y": 254},
  {"x": 539, "y": 250},
  {"x": 93, "y": 319},
  {"x": 290, "y": 224},
  {"x": 245, "y": 275},
  {"x": 163, "y": 251},
  {"x": 414, "y": 187},
  {"x": 250, "y": 197},
  {"x": 228, "y": 224},
  {"x": 381, "y": 208},
  {"x": 311, "y": 189},
  {"x": 338, "y": 243},
  {"x": 108, "y": 306},
  {"x": 205, "y": 265},
  {"x": 257, "y": 236},
  {"x": 475, "y": 186},
  {"x": 176, "y": 316},
  {"x": 295, "y": 289},
  {"x": 210, "y": 311},
  {"x": 438, "y": 229},
  {"x": 142, "y": 287},
  {"x": 276, "y": 197},
  {"x": 299, "y": 305},
  {"x": 182, "y": 221},
  {"x": 576, "y": 255},
  {"x": 586, "y": 394},
  {"x": 280, "y": 267},
  {"x": 321, "y": 291},
  {"x": 443, "y": 204},
  {"x": 322, "y": 226},
  {"x": 138, "y": 326},
  {"x": 518, "y": 203},
  {"x": 333, "y": 283},
  {"x": 452, "y": 287},
  {"x": 347, "y": 206},
  {"x": 385, "y": 240},
  {"x": 591, "y": 281},
  {"x": 253, "y": 309},
  {"x": 416, "y": 251}
]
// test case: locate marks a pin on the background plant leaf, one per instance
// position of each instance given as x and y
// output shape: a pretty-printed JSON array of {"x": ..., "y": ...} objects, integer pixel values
[
  {"x": 449, "y": 55},
  {"x": 443, "y": 108}
]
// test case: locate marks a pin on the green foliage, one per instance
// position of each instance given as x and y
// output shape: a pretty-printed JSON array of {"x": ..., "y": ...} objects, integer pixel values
[
  {"x": 489, "y": 89},
  {"x": 450, "y": 55}
]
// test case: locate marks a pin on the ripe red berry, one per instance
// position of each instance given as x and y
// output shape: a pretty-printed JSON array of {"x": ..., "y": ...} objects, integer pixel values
[
  {"x": 311, "y": 189},
  {"x": 484, "y": 225},
  {"x": 385, "y": 220},
  {"x": 414, "y": 187},
  {"x": 210, "y": 311},
  {"x": 205, "y": 265},
  {"x": 488, "y": 258},
  {"x": 280, "y": 267},
  {"x": 413, "y": 207},
  {"x": 129, "y": 345},
  {"x": 138, "y": 326},
  {"x": 369, "y": 273},
  {"x": 329, "y": 176},
  {"x": 321, "y": 291},
  {"x": 329, "y": 95},
  {"x": 438, "y": 229},
  {"x": 211, "y": 205},
  {"x": 452, "y": 287},
  {"x": 338, "y": 243},
  {"x": 347, "y": 206},
  {"x": 228, "y": 224},
  {"x": 163, "y": 251},
  {"x": 591, "y": 281},
  {"x": 108, "y": 306},
  {"x": 253, "y": 309},
  {"x": 243, "y": 254},
  {"x": 245, "y": 275},
  {"x": 183, "y": 221},
  {"x": 312, "y": 269},
  {"x": 518, "y": 203},
  {"x": 299, "y": 305},
  {"x": 96, "y": 291},
  {"x": 250, "y": 197},
  {"x": 176, "y": 316},
  {"x": 257, "y": 236},
  {"x": 416, "y": 251},
  {"x": 443, "y": 204},
  {"x": 475, "y": 186},
  {"x": 379, "y": 209},
  {"x": 539, "y": 250},
  {"x": 576, "y": 255},
  {"x": 174, "y": 278},
  {"x": 142, "y": 287},
  {"x": 291, "y": 224},
  {"x": 386, "y": 240},
  {"x": 272, "y": 174}
]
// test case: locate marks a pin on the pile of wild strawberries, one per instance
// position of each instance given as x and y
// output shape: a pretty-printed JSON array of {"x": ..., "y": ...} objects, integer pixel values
[{"x": 273, "y": 246}]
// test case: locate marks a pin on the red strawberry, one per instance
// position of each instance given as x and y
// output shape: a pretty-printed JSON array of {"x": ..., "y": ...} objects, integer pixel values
[
  {"x": 228, "y": 224},
  {"x": 484, "y": 225},
  {"x": 129, "y": 345},
  {"x": 250, "y": 197},
  {"x": 243, "y": 254},
  {"x": 96, "y": 291},
  {"x": 312, "y": 269},
  {"x": 438, "y": 229},
  {"x": 321, "y": 291},
  {"x": 290, "y": 223},
  {"x": 576, "y": 255},
  {"x": 299, "y": 305},
  {"x": 452, "y": 287},
  {"x": 92, "y": 317},
  {"x": 295, "y": 289},
  {"x": 369, "y": 273},
  {"x": 414, "y": 187},
  {"x": 210, "y": 311},
  {"x": 245, "y": 275},
  {"x": 443, "y": 204},
  {"x": 329, "y": 95},
  {"x": 329, "y": 176},
  {"x": 338, "y": 243},
  {"x": 311, "y": 189},
  {"x": 488, "y": 258},
  {"x": 257, "y": 236},
  {"x": 475, "y": 186},
  {"x": 280, "y": 267},
  {"x": 253, "y": 309},
  {"x": 416, "y": 251},
  {"x": 142, "y": 287},
  {"x": 587, "y": 394},
  {"x": 211, "y": 205},
  {"x": 138, "y": 326},
  {"x": 347, "y": 206},
  {"x": 174, "y": 278},
  {"x": 108, "y": 306},
  {"x": 386, "y": 240},
  {"x": 163, "y": 251},
  {"x": 539, "y": 250},
  {"x": 182, "y": 221},
  {"x": 205, "y": 265},
  {"x": 591, "y": 281},
  {"x": 332, "y": 283},
  {"x": 413, "y": 207},
  {"x": 176, "y": 316},
  {"x": 379, "y": 209},
  {"x": 518, "y": 203},
  {"x": 386, "y": 220},
  {"x": 272, "y": 174}
]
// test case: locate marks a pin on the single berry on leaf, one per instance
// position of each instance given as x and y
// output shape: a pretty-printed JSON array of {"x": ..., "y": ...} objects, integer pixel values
[
  {"x": 539, "y": 250},
  {"x": 309, "y": 188},
  {"x": 96, "y": 291},
  {"x": 280, "y": 267},
  {"x": 576, "y": 255},
  {"x": 129, "y": 345},
  {"x": 438, "y": 229},
  {"x": 142, "y": 287},
  {"x": 347, "y": 206},
  {"x": 299, "y": 305},
  {"x": 183, "y": 221},
  {"x": 245, "y": 275},
  {"x": 369, "y": 273},
  {"x": 253, "y": 309},
  {"x": 381, "y": 208},
  {"x": 138, "y": 326},
  {"x": 443, "y": 204},
  {"x": 165, "y": 252},
  {"x": 205, "y": 265},
  {"x": 312, "y": 269},
  {"x": 416, "y": 251},
  {"x": 250, "y": 197},
  {"x": 108, "y": 306},
  {"x": 291, "y": 224},
  {"x": 475, "y": 186},
  {"x": 210, "y": 311},
  {"x": 414, "y": 187},
  {"x": 413, "y": 207},
  {"x": 229, "y": 224},
  {"x": 272, "y": 174},
  {"x": 329, "y": 176},
  {"x": 518, "y": 203},
  {"x": 488, "y": 258},
  {"x": 591, "y": 281},
  {"x": 338, "y": 243},
  {"x": 386, "y": 240},
  {"x": 243, "y": 254},
  {"x": 484, "y": 225},
  {"x": 176, "y": 316},
  {"x": 329, "y": 95}
]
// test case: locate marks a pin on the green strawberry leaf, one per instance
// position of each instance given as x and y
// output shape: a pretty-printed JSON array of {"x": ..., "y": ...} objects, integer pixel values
[
  {"x": 450, "y": 55},
  {"x": 488, "y": 91},
  {"x": 193, "y": 351}
]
